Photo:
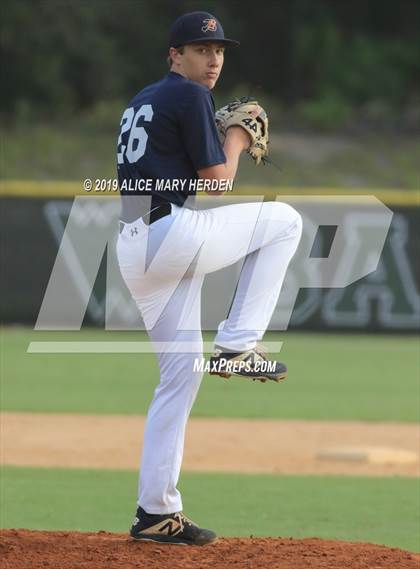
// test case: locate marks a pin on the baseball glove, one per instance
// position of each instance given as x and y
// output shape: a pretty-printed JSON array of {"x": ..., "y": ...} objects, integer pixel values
[{"x": 237, "y": 113}]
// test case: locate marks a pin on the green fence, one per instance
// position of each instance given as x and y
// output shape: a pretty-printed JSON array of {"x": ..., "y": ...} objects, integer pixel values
[{"x": 34, "y": 218}]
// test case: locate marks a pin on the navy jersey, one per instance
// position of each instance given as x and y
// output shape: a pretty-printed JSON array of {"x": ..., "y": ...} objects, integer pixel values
[{"x": 168, "y": 132}]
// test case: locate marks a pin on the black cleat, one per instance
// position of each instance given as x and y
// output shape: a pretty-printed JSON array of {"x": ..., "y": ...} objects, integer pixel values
[
  {"x": 174, "y": 529},
  {"x": 252, "y": 364}
]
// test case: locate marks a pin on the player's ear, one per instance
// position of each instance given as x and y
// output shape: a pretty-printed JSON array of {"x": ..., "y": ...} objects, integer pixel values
[{"x": 174, "y": 55}]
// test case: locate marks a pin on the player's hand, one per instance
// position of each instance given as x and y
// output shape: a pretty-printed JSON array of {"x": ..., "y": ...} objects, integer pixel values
[
  {"x": 251, "y": 117},
  {"x": 239, "y": 136},
  {"x": 255, "y": 111},
  {"x": 245, "y": 141}
]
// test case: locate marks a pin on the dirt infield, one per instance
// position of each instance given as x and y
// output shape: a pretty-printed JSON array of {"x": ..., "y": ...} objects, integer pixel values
[
  {"x": 212, "y": 445},
  {"x": 22, "y": 549}
]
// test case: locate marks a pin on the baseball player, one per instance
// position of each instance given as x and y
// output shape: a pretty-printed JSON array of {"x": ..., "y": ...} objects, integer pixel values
[{"x": 169, "y": 132}]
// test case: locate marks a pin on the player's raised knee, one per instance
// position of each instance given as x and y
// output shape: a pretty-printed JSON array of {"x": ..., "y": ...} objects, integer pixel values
[
  {"x": 284, "y": 212},
  {"x": 298, "y": 223}
]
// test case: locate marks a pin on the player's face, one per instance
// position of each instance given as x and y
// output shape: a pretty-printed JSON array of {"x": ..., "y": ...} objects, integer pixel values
[{"x": 202, "y": 63}]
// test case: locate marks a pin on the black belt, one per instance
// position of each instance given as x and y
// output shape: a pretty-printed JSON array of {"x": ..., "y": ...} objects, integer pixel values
[{"x": 156, "y": 212}]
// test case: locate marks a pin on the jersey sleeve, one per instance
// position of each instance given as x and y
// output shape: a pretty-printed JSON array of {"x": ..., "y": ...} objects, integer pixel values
[{"x": 199, "y": 130}]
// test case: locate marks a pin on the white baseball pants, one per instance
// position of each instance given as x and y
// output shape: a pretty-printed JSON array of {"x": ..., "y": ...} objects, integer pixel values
[{"x": 164, "y": 266}]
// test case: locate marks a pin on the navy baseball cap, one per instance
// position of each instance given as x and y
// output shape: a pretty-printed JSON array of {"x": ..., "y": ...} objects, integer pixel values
[{"x": 197, "y": 27}]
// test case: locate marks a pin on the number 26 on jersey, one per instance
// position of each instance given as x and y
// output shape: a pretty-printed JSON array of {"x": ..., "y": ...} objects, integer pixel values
[{"x": 137, "y": 139}]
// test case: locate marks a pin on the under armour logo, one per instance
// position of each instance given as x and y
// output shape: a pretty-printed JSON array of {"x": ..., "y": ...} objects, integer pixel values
[
  {"x": 210, "y": 25},
  {"x": 134, "y": 231}
]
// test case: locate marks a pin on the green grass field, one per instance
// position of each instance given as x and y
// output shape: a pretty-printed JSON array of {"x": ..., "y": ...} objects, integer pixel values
[
  {"x": 359, "y": 509},
  {"x": 332, "y": 376},
  {"x": 366, "y": 160}
]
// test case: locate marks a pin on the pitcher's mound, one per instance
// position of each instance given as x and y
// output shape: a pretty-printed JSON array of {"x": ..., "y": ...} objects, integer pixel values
[{"x": 23, "y": 549}]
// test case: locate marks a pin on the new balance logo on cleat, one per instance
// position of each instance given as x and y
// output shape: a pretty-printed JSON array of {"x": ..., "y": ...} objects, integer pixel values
[
  {"x": 173, "y": 528},
  {"x": 168, "y": 527}
]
